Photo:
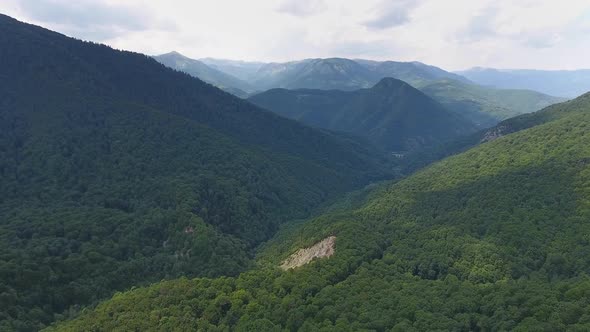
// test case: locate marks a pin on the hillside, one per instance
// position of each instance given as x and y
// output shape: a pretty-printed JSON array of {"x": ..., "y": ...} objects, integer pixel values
[
  {"x": 485, "y": 106},
  {"x": 495, "y": 238},
  {"x": 424, "y": 157},
  {"x": 202, "y": 71},
  {"x": 391, "y": 114},
  {"x": 117, "y": 171},
  {"x": 562, "y": 83}
]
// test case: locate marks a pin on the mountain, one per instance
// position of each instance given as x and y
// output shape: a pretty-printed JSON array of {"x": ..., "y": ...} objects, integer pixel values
[
  {"x": 391, "y": 114},
  {"x": 483, "y": 105},
  {"x": 419, "y": 159},
  {"x": 117, "y": 171},
  {"x": 208, "y": 74},
  {"x": 325, "y": 74},
  {"x": 493, "y": 239},
  {"x": 562, "y": 83},
  {"x": 411, "y": 72},
  {"x": 244, "y": 70}
]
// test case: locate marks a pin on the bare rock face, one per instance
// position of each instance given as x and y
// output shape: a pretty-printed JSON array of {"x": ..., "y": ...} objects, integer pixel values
[{"x": 324, "y": 248}]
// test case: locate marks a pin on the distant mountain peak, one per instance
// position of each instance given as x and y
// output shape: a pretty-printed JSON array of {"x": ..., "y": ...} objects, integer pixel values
[
  {"x": 174, "y": 53},
  {"x": 388, "y": 83}
]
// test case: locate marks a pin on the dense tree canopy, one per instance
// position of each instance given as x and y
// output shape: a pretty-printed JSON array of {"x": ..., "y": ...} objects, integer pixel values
[
  {"x": 495, "y": 238},
  {"x": 391, "y": 114},
  {"x": 116, "y": 171}
]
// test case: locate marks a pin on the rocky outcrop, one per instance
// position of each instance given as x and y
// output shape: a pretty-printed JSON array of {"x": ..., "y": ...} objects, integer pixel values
[{"x": 324, "y": 248}]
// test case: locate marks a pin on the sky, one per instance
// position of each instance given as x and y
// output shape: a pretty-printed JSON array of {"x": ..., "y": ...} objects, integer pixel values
[{"x": 452, "y": 34}]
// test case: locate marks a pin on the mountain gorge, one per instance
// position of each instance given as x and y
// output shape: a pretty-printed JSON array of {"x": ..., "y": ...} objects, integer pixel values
[
  {"x": 164, "y": 193},
  {"x": 495, "y": 238},
  {"x": 391, "y": 114},
  {"x": 117, "y": 172}
]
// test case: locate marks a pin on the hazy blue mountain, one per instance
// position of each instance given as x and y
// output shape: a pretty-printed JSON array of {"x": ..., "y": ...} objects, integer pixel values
[
  {"x": 485, "y": 106},
  {"x": 206, "y": 73},
  {"x": 325, "y": 74},
  {"x": 391, "y": 114},
  {"x": 563, "y": 83},
  {"x": 244, "y": 70}
]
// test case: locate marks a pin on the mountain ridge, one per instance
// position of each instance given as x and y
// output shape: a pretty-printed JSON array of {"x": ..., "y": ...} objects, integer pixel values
[
  {"x": 206, "y": 73},
  {"x": 391, "y": 114},
  {"x": 485, "y": 106},
  {"x": 562, "y": 83}
]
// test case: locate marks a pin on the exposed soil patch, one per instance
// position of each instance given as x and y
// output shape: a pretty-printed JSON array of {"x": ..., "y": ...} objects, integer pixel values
[{"x": 324, "y": 248}]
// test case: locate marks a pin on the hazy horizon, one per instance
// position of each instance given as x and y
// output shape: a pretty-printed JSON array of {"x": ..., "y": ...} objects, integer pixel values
[{"x": 454, "y": 35}]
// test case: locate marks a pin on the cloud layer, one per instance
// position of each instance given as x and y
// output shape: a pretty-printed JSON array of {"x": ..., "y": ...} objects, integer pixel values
[{"x": 453, "y": 34}]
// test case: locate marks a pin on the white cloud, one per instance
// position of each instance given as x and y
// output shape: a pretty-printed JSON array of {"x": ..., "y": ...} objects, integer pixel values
[
  {"x": 301, "y": 7},
  {"x": 453, "y": 34},
  {"x": 391, "y": 14},
  {"x": 90, "y": 19}
]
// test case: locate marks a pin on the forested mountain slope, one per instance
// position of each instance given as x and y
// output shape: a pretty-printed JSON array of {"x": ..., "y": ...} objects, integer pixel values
[
  {"x": 495, "y": 238},
  {"x": 391, "y": 114},
  {"x": 427, "y": 156},
  {"x": 484, "y": 105},
  {"x": 116, "y": 171}
]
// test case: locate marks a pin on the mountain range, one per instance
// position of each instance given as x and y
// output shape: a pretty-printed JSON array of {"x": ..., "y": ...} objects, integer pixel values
[
  {"x": 206, "y": 73},
  {"x": 562, "y": 83},
  {"x": 391, "y": 114},
  {"x": 485, "y": 106}
]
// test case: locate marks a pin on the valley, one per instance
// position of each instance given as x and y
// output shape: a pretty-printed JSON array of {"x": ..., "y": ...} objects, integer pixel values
[{"x": 312, "y": 185}]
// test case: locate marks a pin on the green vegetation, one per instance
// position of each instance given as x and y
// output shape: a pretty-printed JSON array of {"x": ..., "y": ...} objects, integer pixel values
[
  {"x": 424, "y": 157},
  {"x": 496, "y": 238},
  {"x": 392, "y": 114},
  {"x": 116, "y": 171}
]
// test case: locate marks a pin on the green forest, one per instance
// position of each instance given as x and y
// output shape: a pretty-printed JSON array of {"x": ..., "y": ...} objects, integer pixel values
[
  {"x": 117, "y": 172},
  {"x": 135, "y": 197},
  {"x": 495, "y": 238},
  {"x": 390, "y": 114}
]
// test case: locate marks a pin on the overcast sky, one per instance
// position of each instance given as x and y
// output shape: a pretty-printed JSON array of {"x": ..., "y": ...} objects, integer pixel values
[{"x": 452, "y": 34}]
